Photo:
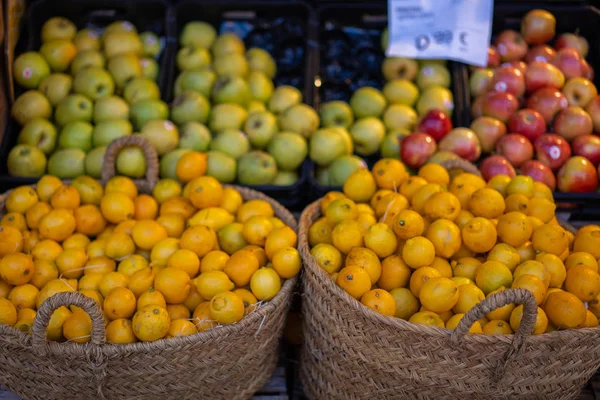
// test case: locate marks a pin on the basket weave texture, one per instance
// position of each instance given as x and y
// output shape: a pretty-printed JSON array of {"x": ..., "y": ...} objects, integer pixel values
[
  {"x": 351, "y": 352},
  {"x": 226, "y": 362}
]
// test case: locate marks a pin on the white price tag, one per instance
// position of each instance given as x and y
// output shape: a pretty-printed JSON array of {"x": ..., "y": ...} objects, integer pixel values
[{"x": 440, "y": 29}]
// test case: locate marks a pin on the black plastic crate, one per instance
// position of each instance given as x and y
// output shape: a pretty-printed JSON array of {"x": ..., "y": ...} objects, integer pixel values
[
  {"x": 355, "y": 29},
  {"x": 146, "y": 15},
  {"x": 280, "y": 27},
  {"x": 574, "y": 16}
]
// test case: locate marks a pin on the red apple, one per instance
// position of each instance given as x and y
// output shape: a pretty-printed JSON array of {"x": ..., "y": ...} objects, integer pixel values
[
  {"x": 588, "y": 71},
  {"x": 463, "y": 142},
  {"x": 577, "y": 175},
  {"x": 587, "y": 146},
  {"x": 572, "y": 122},
  {"x": 542, "y": 52},
  {"x": 479, "y": 81},
  {"x": 593, "y": 108},
  {"x": 516, "y": 148},
  {"x": 415, "y": 149},
  {"x": 579, "y": 91},
  {"x": 538, "y": 26},
  {"x": 572, "y": 41},
  {"x": 477, "y": 107},
  {"x": 548, "y": 102},
  {"x": 510, "y": 80},
  {"x": 552, "y": 150},
  {"x": 499, "y": 105},
  {"x": 520, "y": 65},
  {"x": 540, "y": 74},
  {"x": 488, "y": 131},
  {"x": 496, "y": 165},
  {"x": 528, "y": 123},
  {"x": 493, "y": 59},
  {"x": 569, "y": 62},
  {"x": 436, "y": 124},
  {"x": 539, "y": 172},
  {"x": 510, "y": 45}
]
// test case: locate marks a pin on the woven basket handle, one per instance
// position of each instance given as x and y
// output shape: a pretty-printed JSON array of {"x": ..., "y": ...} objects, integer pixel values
[
  {"x": 462, "y": 164},
  {"x": 109, "y": 169},
  {"x": 39, "y": 338}
]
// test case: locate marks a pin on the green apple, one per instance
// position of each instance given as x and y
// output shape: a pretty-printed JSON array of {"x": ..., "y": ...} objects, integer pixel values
[
  {"x": 284, "y": 97},
  {"x": 57, "y": 28},
  {"x": 29, "y": 69},
  {"x": 399, "y": 116},
  {"x": 345, "y": 135},
  {"x": 342, "y": 167},
  {"x": 67, "y": 163},
  {"x": 56, "y": 87},
  {"x": 221, "y": 167},
  {"x": 322, "y": 176},
  {"x": 148, "y": 110},
  {"x": 325, "y": 145},
  {"x": 228, "y": 43},
  {"x": 26, "y": 161},
  {"x": 74, "y": 107},
  {"x": 87, "y": 39},
  {"x": 367, "y": 134},
  {"x": 94, "y": 162},
  {"x": 200, "y": 81},
  {"x": 367, "y": 102},
  {"x": 255, "y": 106},
  {"x": 285, "y": 178},
  {"x": 39, "y": 132},
  {"x": 231, "y": 89},
  {"x": 30, "y": 105},
  {"x": 227, "y": 116},
  {"x": 76, "y": 135},
  {"x": 94, "y": 83},
  {"x": 232, "y": 142},
  {"x": 260, "y": 127},
  {"x": 232, "y": 64},
  {"x": 432, "y": 61},
  {"x": 131, "y": 162},
  {"x": 107, "y": 131},
  {"x": 87, "y": 59},
  {"x": 259, "y": 60},
  {"x": 162, "y": 134},
  {"x": 150, "y": 68},
  {"x": 189, "y": 58},
  {"x": 261, "y": 87},
  {"x": 399, "y": 68},
  {"x": 190, "y": 106},
  {"x": 433, "y": 74},
  {"x": 401, "y": 91},
  {"x": 109, "y": 108},
  {"x": 119, "y": 26},
  {"x": 289, "y": 150},
  {"x": 59, "y": 54},
  {"x": 435, "y": 97},
  {"x": 299, "y": 118},
  {"x": 256, "y": 168},
  {"x": 194, "y": 136},
  {"x": 336, "y": 113},
  {"x": 168, "y": 163},
  {"x": 151, "y": 45},
  {"x": 198, "y": 34},
  {"x": 123, "y": 68},
  {"x": 123, "y": 43},
  {"x": 140, "y": 89},
  {"x": 390, "y": 147}
]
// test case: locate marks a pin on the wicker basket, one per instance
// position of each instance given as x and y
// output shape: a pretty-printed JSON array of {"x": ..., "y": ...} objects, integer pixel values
[
  {"x": 351, "y": 352},
  {"x": 226, "y": 362}
]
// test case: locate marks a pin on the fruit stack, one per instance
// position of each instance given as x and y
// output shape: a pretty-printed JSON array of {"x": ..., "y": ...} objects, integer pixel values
[
  {"x": 536, "y": 107},
  {"x": 428, "y": 248},
  {"x": 228, "y": 106},
  {"x": 174, "y": 263},
  {"x": 84, "y": 89}
]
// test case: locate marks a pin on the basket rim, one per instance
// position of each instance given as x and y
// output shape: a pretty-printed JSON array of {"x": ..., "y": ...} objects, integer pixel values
[
  {"x": 310, "y": 266},
  {"x": 8, "y": 333}
]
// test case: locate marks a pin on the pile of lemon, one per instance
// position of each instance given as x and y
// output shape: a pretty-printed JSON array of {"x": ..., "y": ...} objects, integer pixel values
[
  {"x": 174, "y": 263},
  {"x": 428, "y": 248}
]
